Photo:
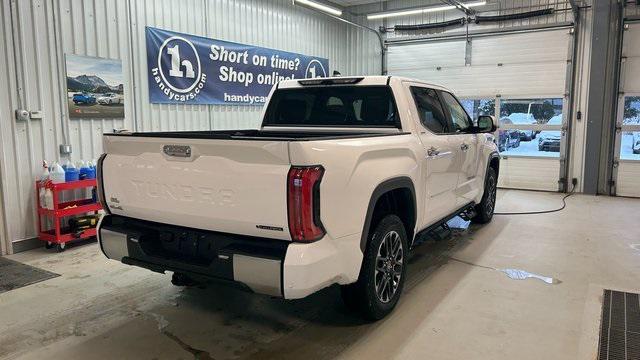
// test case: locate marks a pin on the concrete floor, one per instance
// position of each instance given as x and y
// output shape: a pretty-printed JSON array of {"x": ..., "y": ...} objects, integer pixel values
[{"x": 450, "y": 309}]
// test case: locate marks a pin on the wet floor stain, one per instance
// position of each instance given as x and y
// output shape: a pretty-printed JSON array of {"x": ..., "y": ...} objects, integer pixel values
[
  {"x": 518, "y": 274},
  {"x": 515, "y": 274},
  {"x": 197, "y": 353}
]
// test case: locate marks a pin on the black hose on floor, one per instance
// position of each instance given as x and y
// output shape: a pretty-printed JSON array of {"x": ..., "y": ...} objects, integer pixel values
[{"x": 564, "y": 204}]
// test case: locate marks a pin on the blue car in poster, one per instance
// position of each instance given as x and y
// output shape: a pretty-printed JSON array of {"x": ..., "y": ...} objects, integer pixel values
[{"x": 84, "y": 98}]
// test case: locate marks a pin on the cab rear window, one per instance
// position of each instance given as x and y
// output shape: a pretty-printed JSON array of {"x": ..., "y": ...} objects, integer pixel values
[{"x": 348, "y": 106}]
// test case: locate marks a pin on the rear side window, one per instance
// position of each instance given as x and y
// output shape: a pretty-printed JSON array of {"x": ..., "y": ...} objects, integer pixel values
[
  {"x": 359, "y": 106},
  {"x": 430, "y": 110}
]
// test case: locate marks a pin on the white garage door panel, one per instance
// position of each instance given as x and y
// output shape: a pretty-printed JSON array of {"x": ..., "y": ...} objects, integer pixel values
[
  {"x": 631, "y": 75},
  {"x": 542, "y": 47},
  {"x": 628, "y": 183},
  {"x": 529, "y": 173},
  {"x": 429, "y": 55},
  {"x": 631, "y": 46},
  {"x": 490, "y": 80},
  {"x": 532, "y": 64}
]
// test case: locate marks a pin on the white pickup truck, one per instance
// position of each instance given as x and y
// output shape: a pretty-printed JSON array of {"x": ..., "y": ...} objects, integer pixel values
[{"x": 332, "y": 189}]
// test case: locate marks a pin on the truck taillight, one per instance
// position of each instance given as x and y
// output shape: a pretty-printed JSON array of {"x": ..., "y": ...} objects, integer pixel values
[
  {"x": 303, "y": 200},
  {"x": 100, "y": 189}
]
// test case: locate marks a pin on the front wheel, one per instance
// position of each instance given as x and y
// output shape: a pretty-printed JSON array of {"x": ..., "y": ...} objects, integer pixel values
[
  {"x": 383, "y": 271},
  {"x": 484, "y": 210}
]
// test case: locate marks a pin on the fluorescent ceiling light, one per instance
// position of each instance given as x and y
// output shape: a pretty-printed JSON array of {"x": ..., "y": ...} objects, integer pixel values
[
  {"x": 414, "y": 11},
  {"x": 319, "y": 6},
  {"x": 475, "y": 3},
  {"x": 408, "y": 12}
]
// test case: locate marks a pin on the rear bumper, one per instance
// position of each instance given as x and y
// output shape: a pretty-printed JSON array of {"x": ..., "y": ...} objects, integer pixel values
[{"x": 266, "y": 266}]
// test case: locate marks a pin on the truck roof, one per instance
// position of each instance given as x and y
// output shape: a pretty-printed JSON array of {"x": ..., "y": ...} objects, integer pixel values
[{"x": 366, "y": 80}]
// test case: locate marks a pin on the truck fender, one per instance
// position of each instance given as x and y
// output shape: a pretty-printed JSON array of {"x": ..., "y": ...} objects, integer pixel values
[
  {"x": 401, "y": 182},
  {"x": 492, "y": 155}
]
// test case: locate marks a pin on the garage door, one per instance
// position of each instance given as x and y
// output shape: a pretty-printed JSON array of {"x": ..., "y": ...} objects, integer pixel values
[
  {"x": 627, "y": 159},
  {"x": 521, "y": 77}
]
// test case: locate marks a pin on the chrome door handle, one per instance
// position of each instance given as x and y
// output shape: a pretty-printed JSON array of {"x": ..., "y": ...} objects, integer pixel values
[
  {"x": 431, "y": 152},
  {"x": 464, "y": 147}
]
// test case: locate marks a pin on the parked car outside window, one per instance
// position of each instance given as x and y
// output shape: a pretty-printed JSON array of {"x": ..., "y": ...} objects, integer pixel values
[
  {"x": 524, "y": 119},
  {"x": 508, "y": 138},
  {"x": 550, "y": 140}
]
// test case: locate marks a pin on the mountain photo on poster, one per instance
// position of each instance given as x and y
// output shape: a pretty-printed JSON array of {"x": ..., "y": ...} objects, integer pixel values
[{"x": 95, "y": 87}]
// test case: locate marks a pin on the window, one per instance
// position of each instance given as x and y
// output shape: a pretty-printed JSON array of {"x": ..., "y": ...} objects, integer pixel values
[
  {"x": 531, "y": 127},
  {"x": 364, "y": 106},
  {"x": 460, "y": 119},
  {"x": 630, "y": 141},
  {"x": 477, "y": 107},
  {"x": 430, "y": 110}
]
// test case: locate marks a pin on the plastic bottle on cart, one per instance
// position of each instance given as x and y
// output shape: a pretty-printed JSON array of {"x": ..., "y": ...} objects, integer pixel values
[
  {"x": 91, "y": 174},
  {"x": 44, "y": 175},
  {"x": 57, "y": 174},
  {"x": 47, "y": 202},
  {"x": 71, "y": 173},
  {"x": 86, "y": 171}
]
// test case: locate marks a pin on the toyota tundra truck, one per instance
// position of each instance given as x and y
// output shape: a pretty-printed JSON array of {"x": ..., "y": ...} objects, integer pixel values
[{"x": 333, "y": 188}]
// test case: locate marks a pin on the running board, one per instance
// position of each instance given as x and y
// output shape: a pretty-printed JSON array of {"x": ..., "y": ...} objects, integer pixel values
[{"x": 466, "y": 213}]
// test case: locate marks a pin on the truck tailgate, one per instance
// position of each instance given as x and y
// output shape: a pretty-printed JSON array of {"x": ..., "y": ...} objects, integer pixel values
[{"x": 234, "y": 186}]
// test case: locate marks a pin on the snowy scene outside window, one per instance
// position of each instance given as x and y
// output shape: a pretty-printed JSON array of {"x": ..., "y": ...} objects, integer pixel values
[
  {"x": 517, "y": 134},
  {"x": 630, "y": 142},
  {"x": 477, "y": 107}
]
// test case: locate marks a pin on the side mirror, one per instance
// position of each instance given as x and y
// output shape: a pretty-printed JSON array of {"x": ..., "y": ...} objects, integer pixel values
[{"x": 487, "y": 124}]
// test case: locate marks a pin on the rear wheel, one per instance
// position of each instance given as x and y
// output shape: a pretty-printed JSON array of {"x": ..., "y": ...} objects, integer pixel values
[
  {"x": 484, "y": 210},
  {"x": 383, "y": 271}
]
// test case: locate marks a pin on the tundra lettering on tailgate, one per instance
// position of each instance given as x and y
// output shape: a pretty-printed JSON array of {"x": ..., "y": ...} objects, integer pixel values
[{"x": 183, "y": 192}]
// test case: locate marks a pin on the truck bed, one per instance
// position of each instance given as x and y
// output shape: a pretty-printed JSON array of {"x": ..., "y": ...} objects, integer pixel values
[{"x": 266, "y": 135}]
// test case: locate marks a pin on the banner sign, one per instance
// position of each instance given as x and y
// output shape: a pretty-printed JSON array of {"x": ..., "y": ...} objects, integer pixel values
[{"x": 188, "y": 69}]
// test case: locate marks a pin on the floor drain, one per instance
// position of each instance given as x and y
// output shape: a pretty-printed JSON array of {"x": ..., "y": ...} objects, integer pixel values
[{"x": 620, "y": 326}]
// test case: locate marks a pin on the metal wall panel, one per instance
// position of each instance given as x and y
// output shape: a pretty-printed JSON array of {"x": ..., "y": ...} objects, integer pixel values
[
  {"x": 8, "y": 101},
  {"x": 43, "y": 31}
]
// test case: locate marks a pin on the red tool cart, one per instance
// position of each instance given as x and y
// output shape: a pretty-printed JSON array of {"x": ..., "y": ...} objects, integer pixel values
[{"x": 59, "y": 235}]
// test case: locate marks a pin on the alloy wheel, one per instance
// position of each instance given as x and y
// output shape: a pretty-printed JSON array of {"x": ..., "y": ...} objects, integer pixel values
[
  {"x": 491, "y": 196},
  {"x": 389, "y": 263}
]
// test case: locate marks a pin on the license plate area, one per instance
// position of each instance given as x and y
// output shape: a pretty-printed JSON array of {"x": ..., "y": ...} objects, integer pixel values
[{"x": 191, "y": 247}]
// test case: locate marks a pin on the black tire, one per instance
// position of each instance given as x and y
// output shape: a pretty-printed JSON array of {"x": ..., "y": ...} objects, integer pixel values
[
  {"x": 48, "y": 245},
  {"x": 484, "y": 210},
  {"x": 61, "y": 247},
  {"x": 371, "y": 301}
]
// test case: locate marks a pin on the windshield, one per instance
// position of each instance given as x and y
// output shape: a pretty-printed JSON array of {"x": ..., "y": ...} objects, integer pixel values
[{"x": 357, "y": 106}]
